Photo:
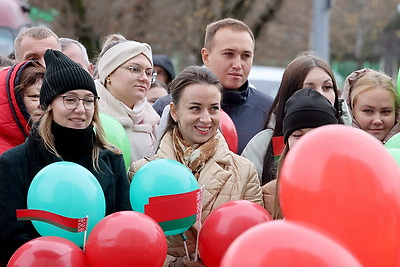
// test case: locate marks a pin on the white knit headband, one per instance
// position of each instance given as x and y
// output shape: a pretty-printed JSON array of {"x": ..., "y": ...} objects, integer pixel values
[{"x": 120, "y": 53}]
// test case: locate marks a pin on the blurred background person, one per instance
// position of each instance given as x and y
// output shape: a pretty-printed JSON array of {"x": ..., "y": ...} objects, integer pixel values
[
  {"x": 157, "y": 90},
  {"x": 164, "y": 68},
  {"x": 19, "y": 98},
  {"x": 32, "y": 43},
  {"x": 77, "y": 52},
  {"x": 165, "y": 73},
  {"x": 6, "y": 62}
]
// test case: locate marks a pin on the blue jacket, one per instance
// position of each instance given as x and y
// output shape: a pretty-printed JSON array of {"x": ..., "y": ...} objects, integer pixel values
[{"x": 248, "y": 109}]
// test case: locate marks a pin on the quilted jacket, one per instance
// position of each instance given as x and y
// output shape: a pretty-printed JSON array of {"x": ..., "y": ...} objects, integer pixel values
[
  {"x": 14, "y": 117},
  {"x": 226, "y": 177}
]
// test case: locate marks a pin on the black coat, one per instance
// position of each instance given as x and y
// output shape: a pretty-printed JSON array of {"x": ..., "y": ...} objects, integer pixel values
[{"x": 18, "y": 167}]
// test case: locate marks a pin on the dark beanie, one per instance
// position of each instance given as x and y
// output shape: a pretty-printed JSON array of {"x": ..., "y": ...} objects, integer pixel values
[
  {"x": 63, "y": 75},
  {"x": 165, "y": 62},
  {"x": 307, "y": 108}
]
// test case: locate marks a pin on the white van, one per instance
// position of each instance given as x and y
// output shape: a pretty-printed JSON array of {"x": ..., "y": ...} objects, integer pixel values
[{"x": 266, "y": 79}]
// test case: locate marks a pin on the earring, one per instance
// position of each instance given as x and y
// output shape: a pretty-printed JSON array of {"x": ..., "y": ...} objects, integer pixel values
[{"x": 108, "y": 80}]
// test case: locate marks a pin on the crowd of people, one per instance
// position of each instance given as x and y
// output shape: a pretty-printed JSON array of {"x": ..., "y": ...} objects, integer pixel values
[{"x": 52, "y": 95}]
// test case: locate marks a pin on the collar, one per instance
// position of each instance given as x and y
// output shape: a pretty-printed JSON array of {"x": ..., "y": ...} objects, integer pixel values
[
  {"x": 236, "y": 97},
  {"x": 73, "y": 144}
]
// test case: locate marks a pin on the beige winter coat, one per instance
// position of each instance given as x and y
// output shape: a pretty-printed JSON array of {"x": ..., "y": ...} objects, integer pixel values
[{"x": 226, "y": 177}]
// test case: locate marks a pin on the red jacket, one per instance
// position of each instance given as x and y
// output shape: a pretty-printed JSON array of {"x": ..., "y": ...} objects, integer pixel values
[{"x": 14, "y": 126}]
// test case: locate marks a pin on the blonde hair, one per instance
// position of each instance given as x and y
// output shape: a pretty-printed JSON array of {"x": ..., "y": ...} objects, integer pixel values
[
  {"x": 372, "y": 79},
  {"x": 99, "y": 143}
]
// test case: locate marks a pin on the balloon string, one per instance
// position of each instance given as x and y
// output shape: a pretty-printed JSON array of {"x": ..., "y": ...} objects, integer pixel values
[
  {"x": 85, "y": 233},
  {"x": 184, "y": 243}
]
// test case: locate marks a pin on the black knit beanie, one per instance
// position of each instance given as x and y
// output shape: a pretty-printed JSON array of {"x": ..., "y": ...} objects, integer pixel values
[
  {"x": 307, "y": 108},
  {"x": 63, "y": 75}
]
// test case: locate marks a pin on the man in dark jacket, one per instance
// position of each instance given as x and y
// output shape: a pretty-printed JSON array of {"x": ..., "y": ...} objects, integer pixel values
[{"x": 229, "y": 51}]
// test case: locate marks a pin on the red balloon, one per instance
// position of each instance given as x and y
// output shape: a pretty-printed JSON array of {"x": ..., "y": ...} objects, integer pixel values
[
  {"x": 228, "y": 130},
  {"x": 126, "y": 238},
  {"x": 48, "y": 251},
  {"x": 284, "y": 243},
  {"x": 226, "y": 223},
  {"x": 343, "y": 181}
]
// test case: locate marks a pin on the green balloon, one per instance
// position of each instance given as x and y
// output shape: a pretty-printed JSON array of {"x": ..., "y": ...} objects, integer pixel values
[
  {"x": 117, "y": 136},
  {"x": 164, "y": 177},
  {"x": 395, "y": 152},
  {"x": 70, "y": 190},
  {"x": 393, "y": 142}
]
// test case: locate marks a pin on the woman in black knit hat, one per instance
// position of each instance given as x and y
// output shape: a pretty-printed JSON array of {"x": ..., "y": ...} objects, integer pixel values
[
  {"x": 304, "y": 111},
  {"x": 65, "y": 132}
]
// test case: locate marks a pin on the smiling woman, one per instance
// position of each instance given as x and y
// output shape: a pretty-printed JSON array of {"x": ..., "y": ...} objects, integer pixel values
[
  {"x": 192, "y": 138},
  {"x": 373, "y": 101},
  {"x": 65, "y": 132}
]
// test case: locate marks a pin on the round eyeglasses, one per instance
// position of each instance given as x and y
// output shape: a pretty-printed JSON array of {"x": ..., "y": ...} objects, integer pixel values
[
  {"x": 71, "y": 102},
  {"x": 138, "y": 71}
]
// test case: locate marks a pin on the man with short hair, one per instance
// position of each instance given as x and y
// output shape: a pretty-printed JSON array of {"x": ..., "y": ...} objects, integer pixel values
[
  {"x": 229, "y": 52},
  {"x": 33, "y": 42},
  {"x": 77, "y": 52}
]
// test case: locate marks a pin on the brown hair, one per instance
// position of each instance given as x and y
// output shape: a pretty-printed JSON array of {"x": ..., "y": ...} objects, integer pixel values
[
  {"x": 190, "y": 75},
  {"x": 292, "y": 80},
  {"x": 233, "y": 24},
  {"x": 30, "y": 75}
]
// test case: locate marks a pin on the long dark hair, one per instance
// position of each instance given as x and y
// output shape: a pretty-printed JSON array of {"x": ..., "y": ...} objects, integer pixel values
[{"x": 292, "y": 80}]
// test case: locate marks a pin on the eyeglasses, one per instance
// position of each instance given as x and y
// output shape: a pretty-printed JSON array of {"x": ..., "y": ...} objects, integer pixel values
[
  {"x": 71, "y": 102},
  {"x": 138, "y": 71}
]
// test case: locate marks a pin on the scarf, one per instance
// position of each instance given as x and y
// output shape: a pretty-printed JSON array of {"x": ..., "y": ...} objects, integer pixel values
[
  {"x": 193, "y": 156},
  {"x": 142, "y": 118},
  {"x": 74, "y": 145}
]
